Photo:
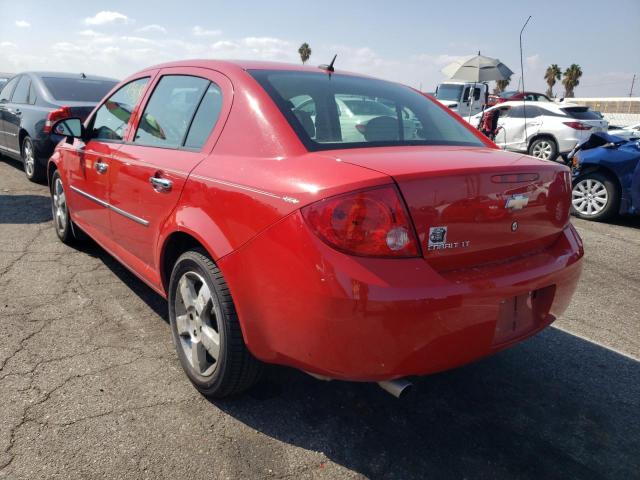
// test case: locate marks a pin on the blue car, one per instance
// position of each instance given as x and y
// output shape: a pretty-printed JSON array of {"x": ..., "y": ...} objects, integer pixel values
[{"x": 606, "y": 177}]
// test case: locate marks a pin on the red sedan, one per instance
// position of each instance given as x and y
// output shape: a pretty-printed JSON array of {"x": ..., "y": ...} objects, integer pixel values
[{"x": 241, "y": 193}]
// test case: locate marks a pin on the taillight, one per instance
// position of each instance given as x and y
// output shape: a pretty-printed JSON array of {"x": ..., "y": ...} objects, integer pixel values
[
  {"x": 578, "y": 125},
  {"x": 372, "y": 223},
  {"x": 54, "y": 116}
]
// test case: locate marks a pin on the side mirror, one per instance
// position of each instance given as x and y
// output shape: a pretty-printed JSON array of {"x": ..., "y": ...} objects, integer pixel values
[{"x": 70, "y": 128}]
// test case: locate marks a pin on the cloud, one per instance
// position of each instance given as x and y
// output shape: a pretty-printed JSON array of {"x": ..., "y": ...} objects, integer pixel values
[
  {"x": 198, "y": 31},
  {"x": 90, "y": 33},
  {"x": 104, "y": 17},
  {"x": 22, "y": 24},
  {"x": 533, "y": 61},
  {"x": 8, "y": 45},
  {"x": 153, "y": 28}
]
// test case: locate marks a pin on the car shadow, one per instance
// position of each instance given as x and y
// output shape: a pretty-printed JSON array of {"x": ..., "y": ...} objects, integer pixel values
[
  {"x": 555, "y": 406},
  {"x": 632, "y": 221},
  {"x": 25, "y": 209},
  {"x": 145, "y": 293}
]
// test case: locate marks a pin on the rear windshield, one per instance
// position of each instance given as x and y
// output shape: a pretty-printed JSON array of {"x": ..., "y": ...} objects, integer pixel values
[
  {"x": 77, "y": 89},
  {"x": 341, "y": 111},
  {"x": 581, "y": 113}
]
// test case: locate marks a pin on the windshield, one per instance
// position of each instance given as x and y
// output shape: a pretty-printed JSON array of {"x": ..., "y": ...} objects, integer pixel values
[
  {"x": 78, "y": 89},
  {"x": 448, "y": 91},
  {"x": 381, "y": 113}
]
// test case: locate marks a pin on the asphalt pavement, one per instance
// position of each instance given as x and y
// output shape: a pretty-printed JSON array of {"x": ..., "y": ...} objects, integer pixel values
[{"x": 90, "y": 386}]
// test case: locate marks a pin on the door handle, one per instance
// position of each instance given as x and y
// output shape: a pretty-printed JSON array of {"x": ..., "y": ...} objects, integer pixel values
[
  {"x": 161, "y": 184},
  {"x": 101, "y": 167}
]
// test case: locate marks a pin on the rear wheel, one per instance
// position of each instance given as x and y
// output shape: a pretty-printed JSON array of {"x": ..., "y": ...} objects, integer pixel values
[
  {"x": 205, "y": 328},
  {"x": 32, "y": 168},
  {"x": 595, "y": 197},
  {"x": 544, "y": 148}
]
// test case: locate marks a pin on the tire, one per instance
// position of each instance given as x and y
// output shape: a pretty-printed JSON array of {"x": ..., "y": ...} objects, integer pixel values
[
  {"x": 65, "y": 228},
  {"x": 595, "y": 196},
  {"x": 32, "y": 168},
  {"x": 216, "y": 369},
  {"x": 544, "y": 148}
]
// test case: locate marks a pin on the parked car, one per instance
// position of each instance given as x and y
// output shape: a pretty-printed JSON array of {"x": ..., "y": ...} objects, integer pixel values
[
  {"x": 511, "y": 96},
  {"x": 275, "y": 239},
  {"x": 551, "y": 128},
  {"x": 606, "y": 177},
  {"x": 632, "y": 132},
  {"x": 31, "y": 101}
]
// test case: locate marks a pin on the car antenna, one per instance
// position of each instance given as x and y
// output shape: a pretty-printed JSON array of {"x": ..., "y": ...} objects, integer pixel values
[
  {"x": 82, "y": 75},
  {"x": 329, "y": 68}
]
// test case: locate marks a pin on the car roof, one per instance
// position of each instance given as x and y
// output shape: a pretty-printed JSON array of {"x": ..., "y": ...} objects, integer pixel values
[
  {"x": 243, "y": 65},
  {"x": 547, "y": 105},
  {"x": 41, "y": 74}
]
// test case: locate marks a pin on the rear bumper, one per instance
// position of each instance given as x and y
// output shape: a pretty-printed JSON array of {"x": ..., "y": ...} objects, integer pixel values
[{"x": 305, "y": 305}]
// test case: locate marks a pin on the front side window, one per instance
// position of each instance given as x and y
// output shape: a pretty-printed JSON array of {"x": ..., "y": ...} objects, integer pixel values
[
  {"x": 111, "y": 119},
  {"x": 21, "y": 95},
  {"x": 168, "y": 113},
  {"x": 350, "y": 111}
]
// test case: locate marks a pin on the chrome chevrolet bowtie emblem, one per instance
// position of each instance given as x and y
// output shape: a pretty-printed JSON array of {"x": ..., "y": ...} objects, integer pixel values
[{"x": 516, "y": 202}]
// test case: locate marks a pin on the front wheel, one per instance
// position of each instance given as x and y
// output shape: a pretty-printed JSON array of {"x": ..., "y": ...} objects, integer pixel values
[
  {"x": 595, "y": 197},
  {"x": 205, "y": 328},
  {"x": 544, "y": 148}
]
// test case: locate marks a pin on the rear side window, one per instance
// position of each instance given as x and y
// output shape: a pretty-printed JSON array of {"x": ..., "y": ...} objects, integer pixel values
[
  {"x": 389, "y": 114},
  {"x": 205, "y": 118},
  {"x": 581, "y": 113},
  {"x": 21, "y": 94},
  {"x": 112, "y": 117},
  {"x": 8, "y": 89},
  {"x": 78, "y": 89},
  {"x": 168, "y": 113}
]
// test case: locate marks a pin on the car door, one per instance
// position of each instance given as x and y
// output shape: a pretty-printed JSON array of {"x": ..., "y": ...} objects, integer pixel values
[
  {"x": 13, "y": 114},
  {"x": 88, "y": 166},
  {"x": 172, "y": 135},
  {"x": 5, "y": 107},
  {"x": 513, "y": 123}
]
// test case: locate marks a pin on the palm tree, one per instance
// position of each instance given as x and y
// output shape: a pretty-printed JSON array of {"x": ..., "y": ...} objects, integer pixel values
[
  {"x": 552, "y": 74},
  {"x": 571, "y": 79},
  {"x": 501, "y": 85},
  {"x": 305, "y": 52}
]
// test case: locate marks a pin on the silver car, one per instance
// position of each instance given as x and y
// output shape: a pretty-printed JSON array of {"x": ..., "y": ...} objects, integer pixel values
[{"x": 551, "y": 129}]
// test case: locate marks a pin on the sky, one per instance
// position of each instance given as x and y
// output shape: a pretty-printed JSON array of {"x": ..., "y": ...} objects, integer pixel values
[{"x": 405, "y": 41}]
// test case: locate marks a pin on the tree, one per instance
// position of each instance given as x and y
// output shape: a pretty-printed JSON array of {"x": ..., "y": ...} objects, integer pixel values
[
  {"x": 501, "y": 85},
  {"x": 552, "y": 74},
  {"x": 305, "y": 52},
  {"x": 571, "y": 79}
]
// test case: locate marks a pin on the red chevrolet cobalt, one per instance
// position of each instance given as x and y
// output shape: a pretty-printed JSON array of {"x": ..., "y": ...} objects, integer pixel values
[{"x": 343, "y": 225}]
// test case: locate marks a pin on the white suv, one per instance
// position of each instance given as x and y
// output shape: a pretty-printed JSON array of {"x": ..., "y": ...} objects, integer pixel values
[{"x": 551, "y": 128}]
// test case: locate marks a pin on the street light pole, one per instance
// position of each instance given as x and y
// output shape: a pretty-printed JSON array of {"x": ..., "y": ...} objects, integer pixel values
[{"x": 524, "y": 100}]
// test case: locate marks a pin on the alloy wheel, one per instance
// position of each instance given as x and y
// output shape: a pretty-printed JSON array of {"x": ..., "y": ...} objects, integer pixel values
[
  {"x": 29, "y": 158},
  {"x": 60, "y": 213},
  {"x": 542, "y": 149},
  {"x": 197, "y": 323},
  {"x": 589, "y": 197}
]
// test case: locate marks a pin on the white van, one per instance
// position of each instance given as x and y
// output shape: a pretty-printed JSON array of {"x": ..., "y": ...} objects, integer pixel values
[{"x": 463, "y": 97}]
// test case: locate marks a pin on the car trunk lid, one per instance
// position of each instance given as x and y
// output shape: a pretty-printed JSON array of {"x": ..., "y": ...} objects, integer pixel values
[{"x": 472, "y": 206}]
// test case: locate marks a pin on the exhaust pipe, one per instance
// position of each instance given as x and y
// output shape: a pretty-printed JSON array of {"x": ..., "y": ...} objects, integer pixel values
[{"x": 398, "y": 388}]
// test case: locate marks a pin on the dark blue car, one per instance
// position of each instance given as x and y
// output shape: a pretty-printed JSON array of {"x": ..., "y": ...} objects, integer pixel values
[
  {"x": 606, "y": 177},
  {"x": 31, "y": 101}
]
